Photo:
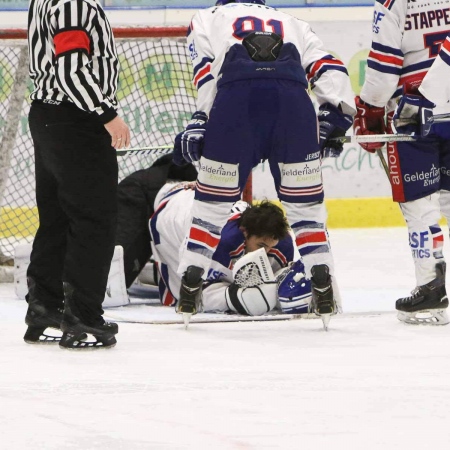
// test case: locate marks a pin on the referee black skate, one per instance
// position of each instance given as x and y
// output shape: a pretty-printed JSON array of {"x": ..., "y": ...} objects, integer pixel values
[{"x": 75, "y": 130}]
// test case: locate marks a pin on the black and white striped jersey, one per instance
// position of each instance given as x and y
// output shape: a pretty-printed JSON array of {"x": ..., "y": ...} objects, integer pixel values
[{"x": 73, "y": 55}]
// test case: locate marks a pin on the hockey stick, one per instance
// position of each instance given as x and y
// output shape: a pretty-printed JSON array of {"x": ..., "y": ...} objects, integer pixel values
[
  {"x": 376, "y": 138},
  {"x": 441, "y": 118},
  {"x": 383, "y": 162},
  {"x": 162, "y": 149}
]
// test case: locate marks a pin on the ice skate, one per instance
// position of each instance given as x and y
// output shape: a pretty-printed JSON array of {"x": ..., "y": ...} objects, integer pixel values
[
  {"x": 427, "y": 303},
  {"x": 73, "y": 328},
  {"x": 75, "y": 331},
  {"x": 322, "y": 302},
  {"x": 190, "y": 301},
  {"x": 38, "y": 319}
]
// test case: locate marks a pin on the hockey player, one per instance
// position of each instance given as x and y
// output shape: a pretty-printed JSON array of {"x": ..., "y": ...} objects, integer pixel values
[
  {"x": 252, "y": 65},
  {"x": 247, "y": 231},
  {"x": 405, "y": 41},
  {"x": 433, "y": 91},
  {"x": 435, "y": 86}
]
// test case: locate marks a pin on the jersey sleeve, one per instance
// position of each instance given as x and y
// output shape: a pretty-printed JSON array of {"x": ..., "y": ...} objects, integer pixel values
[
  {"x": 73, "y": 33},
  {"x": 202, "y": 56},
  {"x": 436, "y": 84},
  {"x": 385, "y": 60},
  {"x": 326, "y": 74}
]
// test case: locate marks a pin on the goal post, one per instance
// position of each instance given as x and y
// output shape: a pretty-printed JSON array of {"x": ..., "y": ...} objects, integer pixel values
[{"x": 156, "y": 99}]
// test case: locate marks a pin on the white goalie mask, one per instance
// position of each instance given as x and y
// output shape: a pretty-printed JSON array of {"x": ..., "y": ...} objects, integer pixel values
[{"x": 253, "y": 269}]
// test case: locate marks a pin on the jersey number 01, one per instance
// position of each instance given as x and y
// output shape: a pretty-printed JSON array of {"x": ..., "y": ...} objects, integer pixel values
[{"x": 245, "y": 25}]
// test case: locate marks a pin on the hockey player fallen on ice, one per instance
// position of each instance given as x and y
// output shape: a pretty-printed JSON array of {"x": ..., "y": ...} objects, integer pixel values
[
  {"x": 252, "y": 66},
  {"x": 252, "y": 270},
  {"x": 403, "y": 50}
]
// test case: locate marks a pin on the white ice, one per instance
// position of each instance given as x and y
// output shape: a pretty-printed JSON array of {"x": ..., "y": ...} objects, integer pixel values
[{"x": 370, "y": 383}]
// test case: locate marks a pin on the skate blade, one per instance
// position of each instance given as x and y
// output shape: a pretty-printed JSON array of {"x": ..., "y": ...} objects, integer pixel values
[
  {"x": 425, "y": 317},
  {"x": 71, "y": 342},
  {"x": 37, "y": 335},
  {"x": 186, "y": 319},
  {"x": 46, "y": 339},
  {"x": 326, "y": 320},
  {"x": 43, "y": 340}
]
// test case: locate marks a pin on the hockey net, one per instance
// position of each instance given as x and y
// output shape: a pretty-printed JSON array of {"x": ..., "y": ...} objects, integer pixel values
[{"x": 156, "y": 99}]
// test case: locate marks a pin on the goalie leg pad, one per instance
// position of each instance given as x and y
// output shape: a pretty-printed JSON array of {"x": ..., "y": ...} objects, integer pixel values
[
  {"x": 116, "y": 289},
  {"x": 252, "y": 301}
]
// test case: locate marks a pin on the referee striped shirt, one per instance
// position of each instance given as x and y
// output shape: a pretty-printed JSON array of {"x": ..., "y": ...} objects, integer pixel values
[{"x": 73, "y": 56}]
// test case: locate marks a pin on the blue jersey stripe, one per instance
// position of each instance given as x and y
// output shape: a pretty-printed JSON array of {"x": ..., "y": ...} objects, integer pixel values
[
  {"x": 386, "y": 49},
  {"x": 384, "y": 69}
]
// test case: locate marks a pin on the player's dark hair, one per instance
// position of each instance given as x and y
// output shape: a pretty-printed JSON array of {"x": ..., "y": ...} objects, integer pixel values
[{"x": 264, "y": 219}]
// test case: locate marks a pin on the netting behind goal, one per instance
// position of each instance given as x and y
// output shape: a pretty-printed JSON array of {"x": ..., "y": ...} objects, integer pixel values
[{"x": 156, "y": 99}]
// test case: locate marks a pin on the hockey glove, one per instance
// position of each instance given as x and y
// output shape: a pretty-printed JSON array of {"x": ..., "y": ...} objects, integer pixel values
[
  {"x": 413, "y": 115},
  {"x": 333, "y": 123},
  {"x": 188, "y": 144},
  {"x": 369, "y": 120},
  {"x": 294, "y": 290}
]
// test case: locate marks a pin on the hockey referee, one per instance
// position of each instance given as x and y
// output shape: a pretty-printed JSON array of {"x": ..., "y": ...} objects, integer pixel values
[{"x": 75, "y": 130}]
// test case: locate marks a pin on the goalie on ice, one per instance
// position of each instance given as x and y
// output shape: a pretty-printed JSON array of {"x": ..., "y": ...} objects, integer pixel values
[{"x": 255, "y": 267}]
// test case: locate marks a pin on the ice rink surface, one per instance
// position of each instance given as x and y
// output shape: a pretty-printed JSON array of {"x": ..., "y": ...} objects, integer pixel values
[{"x": 370, "y": 383}]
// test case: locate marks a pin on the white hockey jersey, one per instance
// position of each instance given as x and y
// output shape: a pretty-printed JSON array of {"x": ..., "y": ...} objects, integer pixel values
[
  {"x": 406, "y": 39},
  {"x": 168, "y": 228},
  {"x": 436, "y": 84},
  {"x": 214, "y": 30}
]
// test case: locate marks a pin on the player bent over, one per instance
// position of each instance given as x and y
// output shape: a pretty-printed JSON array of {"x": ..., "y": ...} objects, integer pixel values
[
  {"x": 250, "y": 272},
  {"x": 252, "y": 66},
  {"x": 402, "y": 52}
]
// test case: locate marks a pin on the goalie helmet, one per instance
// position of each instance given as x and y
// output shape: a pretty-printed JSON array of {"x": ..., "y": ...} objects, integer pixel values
[
  {"x": 294, "y": 289},
  {"x": 225, "y": 2}
]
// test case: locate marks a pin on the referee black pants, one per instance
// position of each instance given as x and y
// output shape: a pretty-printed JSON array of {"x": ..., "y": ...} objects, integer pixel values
[{"x": 76, "y": 194}]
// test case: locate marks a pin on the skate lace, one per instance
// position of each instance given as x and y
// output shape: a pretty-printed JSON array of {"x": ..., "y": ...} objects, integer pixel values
[{"x": 414, "y": 294}]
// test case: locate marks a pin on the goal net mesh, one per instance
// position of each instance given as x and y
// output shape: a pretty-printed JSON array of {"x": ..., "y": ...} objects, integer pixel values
[{"x": 156, "y": 99}]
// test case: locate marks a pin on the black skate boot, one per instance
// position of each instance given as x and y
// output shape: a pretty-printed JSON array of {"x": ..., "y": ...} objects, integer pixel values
[
  {"x": 39, "y": 317},
  {"x": 190, "y": 300},
  {"x": 427, "y": 303},
  {"x": 73, "y": 327},
  {"x": 322, "y": 303}
]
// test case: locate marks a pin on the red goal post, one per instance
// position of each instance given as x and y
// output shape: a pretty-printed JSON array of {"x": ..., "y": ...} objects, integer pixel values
[{"x": 156, "y": 99}]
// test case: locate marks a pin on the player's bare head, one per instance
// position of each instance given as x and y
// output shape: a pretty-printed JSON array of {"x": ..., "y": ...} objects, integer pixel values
[
  {"x": 264, "y": 219},
  {"x": 225, "y": 2}
]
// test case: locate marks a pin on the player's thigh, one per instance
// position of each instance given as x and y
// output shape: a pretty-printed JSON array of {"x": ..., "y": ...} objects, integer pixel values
[
  {"x": 295, "y": 138},
  {"x": 414, "y": 169},
  {"x": 229, "y": 151},
  {"x": 445, "y": 164},
  {"x": 295, "y": 157}
]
